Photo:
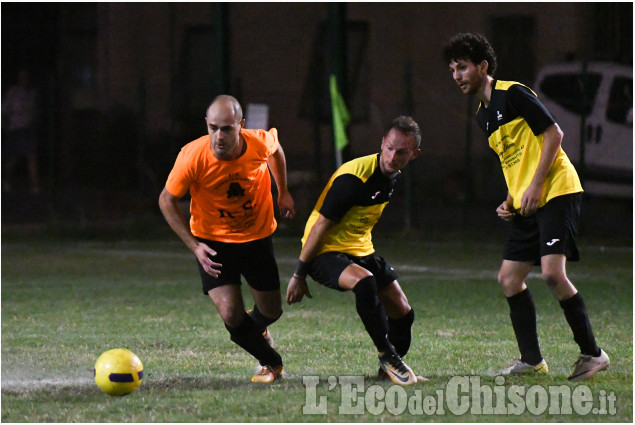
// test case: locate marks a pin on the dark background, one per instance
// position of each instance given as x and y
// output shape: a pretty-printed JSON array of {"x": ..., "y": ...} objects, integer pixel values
[{"x": 123, "y": 86}]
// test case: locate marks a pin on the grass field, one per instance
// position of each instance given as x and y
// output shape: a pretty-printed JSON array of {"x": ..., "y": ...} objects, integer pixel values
[{"x": 65, "y": 301}]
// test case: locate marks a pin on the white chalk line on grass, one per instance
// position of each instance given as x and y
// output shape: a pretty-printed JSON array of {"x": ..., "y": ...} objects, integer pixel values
[
  {"x": 449, "y": 273},
  {"x": 415, "y": 269},
  {"x": 43, "y": 384},
  {"x": 14, "y": 384}
]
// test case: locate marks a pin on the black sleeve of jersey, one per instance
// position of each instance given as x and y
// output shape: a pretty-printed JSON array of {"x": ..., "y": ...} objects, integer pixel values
[
  {"x": 340, "y": 197},
  {"x": 530, "y": 108}
]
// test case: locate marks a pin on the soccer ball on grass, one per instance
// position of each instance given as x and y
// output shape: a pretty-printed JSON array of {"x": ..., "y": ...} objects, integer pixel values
[{"x": 118, "y": 372}]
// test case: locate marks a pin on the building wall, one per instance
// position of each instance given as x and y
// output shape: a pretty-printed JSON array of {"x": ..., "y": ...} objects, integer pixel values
[
  {"x": 270, "y": 52},
  {"x": 270, "y": 48}
]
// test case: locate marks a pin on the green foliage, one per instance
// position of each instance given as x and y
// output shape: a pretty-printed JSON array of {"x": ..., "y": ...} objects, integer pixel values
[{"x": 64, "y": 303}]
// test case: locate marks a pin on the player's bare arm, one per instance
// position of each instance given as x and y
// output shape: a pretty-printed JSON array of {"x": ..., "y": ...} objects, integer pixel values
[
  {"x": 168, "y": 204},
  {"x": 532, "y": 195},
  {"x": 298, "y": 288},
  {"x": 278, "y": 165}
]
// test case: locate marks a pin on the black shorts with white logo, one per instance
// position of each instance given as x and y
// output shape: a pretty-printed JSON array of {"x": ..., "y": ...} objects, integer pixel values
[
  {"x": 551, "y": 230},
  {"x": 327, "y": 268},
  {"x": 254, "y": 260}
]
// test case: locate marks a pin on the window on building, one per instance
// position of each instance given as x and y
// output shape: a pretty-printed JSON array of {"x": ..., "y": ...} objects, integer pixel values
[
  {"x": 572, "y": 91},
  {"x": 620, "y": 109}
]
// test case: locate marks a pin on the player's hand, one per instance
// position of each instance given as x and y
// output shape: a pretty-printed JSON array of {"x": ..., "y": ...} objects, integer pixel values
[
  {"x": 297, "y": 289},
  {"x": 286, "y": 205},
  {"x": 530, "y": 200},
  {"x": 505, "y": 211},
  {"x": 203, "y": 254}
]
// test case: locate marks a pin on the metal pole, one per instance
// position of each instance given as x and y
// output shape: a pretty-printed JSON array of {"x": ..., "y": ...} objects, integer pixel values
[
  {"x": 220, "y": 49},
  {"x": 317, "y": 137},
  {"x": 141, "y": 132},
  {"x": 408, "y": 108},
  {"x": 467, "y": 201},
  {"x": 173, "y": 81},
  {"x": 53, "y": 121},
  {"x": 583, "y": 133},
  {"x": 337, "y": 59}
]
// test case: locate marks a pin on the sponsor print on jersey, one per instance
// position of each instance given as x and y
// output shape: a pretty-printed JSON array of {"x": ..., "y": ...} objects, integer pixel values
[{"x": 241, "y": 214}]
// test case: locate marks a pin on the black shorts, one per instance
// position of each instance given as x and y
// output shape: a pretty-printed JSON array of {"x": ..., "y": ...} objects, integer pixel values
[
  {"x": 327, "y": 268},
  {"x": 551, "y": 230},
  {"x": 254, "y": 260}
]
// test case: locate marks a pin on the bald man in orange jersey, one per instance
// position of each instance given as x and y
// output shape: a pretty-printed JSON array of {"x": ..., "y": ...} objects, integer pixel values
[{"x": 232, "y": 222}]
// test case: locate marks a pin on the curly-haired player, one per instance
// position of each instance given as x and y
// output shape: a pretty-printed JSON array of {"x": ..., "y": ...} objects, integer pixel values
[{"x": 543, "y": 202}]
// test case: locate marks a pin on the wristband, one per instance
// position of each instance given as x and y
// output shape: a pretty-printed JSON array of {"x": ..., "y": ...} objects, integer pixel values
[{"x": 301, "y": 270}]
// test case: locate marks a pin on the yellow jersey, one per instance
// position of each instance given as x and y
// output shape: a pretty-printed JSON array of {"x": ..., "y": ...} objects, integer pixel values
[
  {"x": 514, "y": 122},
  {"x": 354, "y": 198}
]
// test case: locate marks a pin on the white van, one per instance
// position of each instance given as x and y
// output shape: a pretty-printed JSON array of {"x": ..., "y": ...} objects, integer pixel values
[{"x": 594, "y": 100}]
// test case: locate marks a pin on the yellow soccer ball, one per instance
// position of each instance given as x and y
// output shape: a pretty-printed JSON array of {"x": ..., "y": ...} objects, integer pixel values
[{"x": 118, "y": 372}]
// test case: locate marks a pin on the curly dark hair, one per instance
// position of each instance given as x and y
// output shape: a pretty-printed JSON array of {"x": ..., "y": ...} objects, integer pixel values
[{"x": 472, "y": 46}]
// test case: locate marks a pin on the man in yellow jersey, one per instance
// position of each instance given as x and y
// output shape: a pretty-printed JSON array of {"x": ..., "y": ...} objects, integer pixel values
[
  {"x": 543, "y": 202},
  {"x": 337, "y": 250},
  {"x": 232, "y": 222}
]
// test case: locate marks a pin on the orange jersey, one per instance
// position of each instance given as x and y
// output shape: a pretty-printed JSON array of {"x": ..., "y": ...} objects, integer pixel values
[{"x": 231, "y": 200}]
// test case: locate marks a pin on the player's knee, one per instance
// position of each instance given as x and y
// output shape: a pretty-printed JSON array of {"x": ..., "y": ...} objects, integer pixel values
[
  {"x": 269, "y": 311},
  {"x": 505, "y": 280},
  {"x": 553, "y": 278},
  {"x": 509, "y": 283},
  {"x": 407, "y": 319},
  {"x": 266, "y": 315},
  {"x": 268, "y": 303},
  {"x": 392, "y": 293},
  {"x": 232, "y": 317},
  {"x": 550, "y": 280},
  {"x": 395, "y": 306},
  {"x": 366, "y": 300},
  {"x": 366, "y": 286},
  {"x": 402, "y": 303},
  {"x": 559, "y": 285}
]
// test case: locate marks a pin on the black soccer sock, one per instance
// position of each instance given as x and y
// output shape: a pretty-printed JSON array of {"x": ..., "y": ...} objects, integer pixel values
[
  {"x": 372, "y": 314},
  {"x": 261, "y": 320},
  {"x": 399, "y": 332},
  {"x": 248, "y": 337},
  {"x": 578, "y": 319},
  {"x": 523, "y": 315}
]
